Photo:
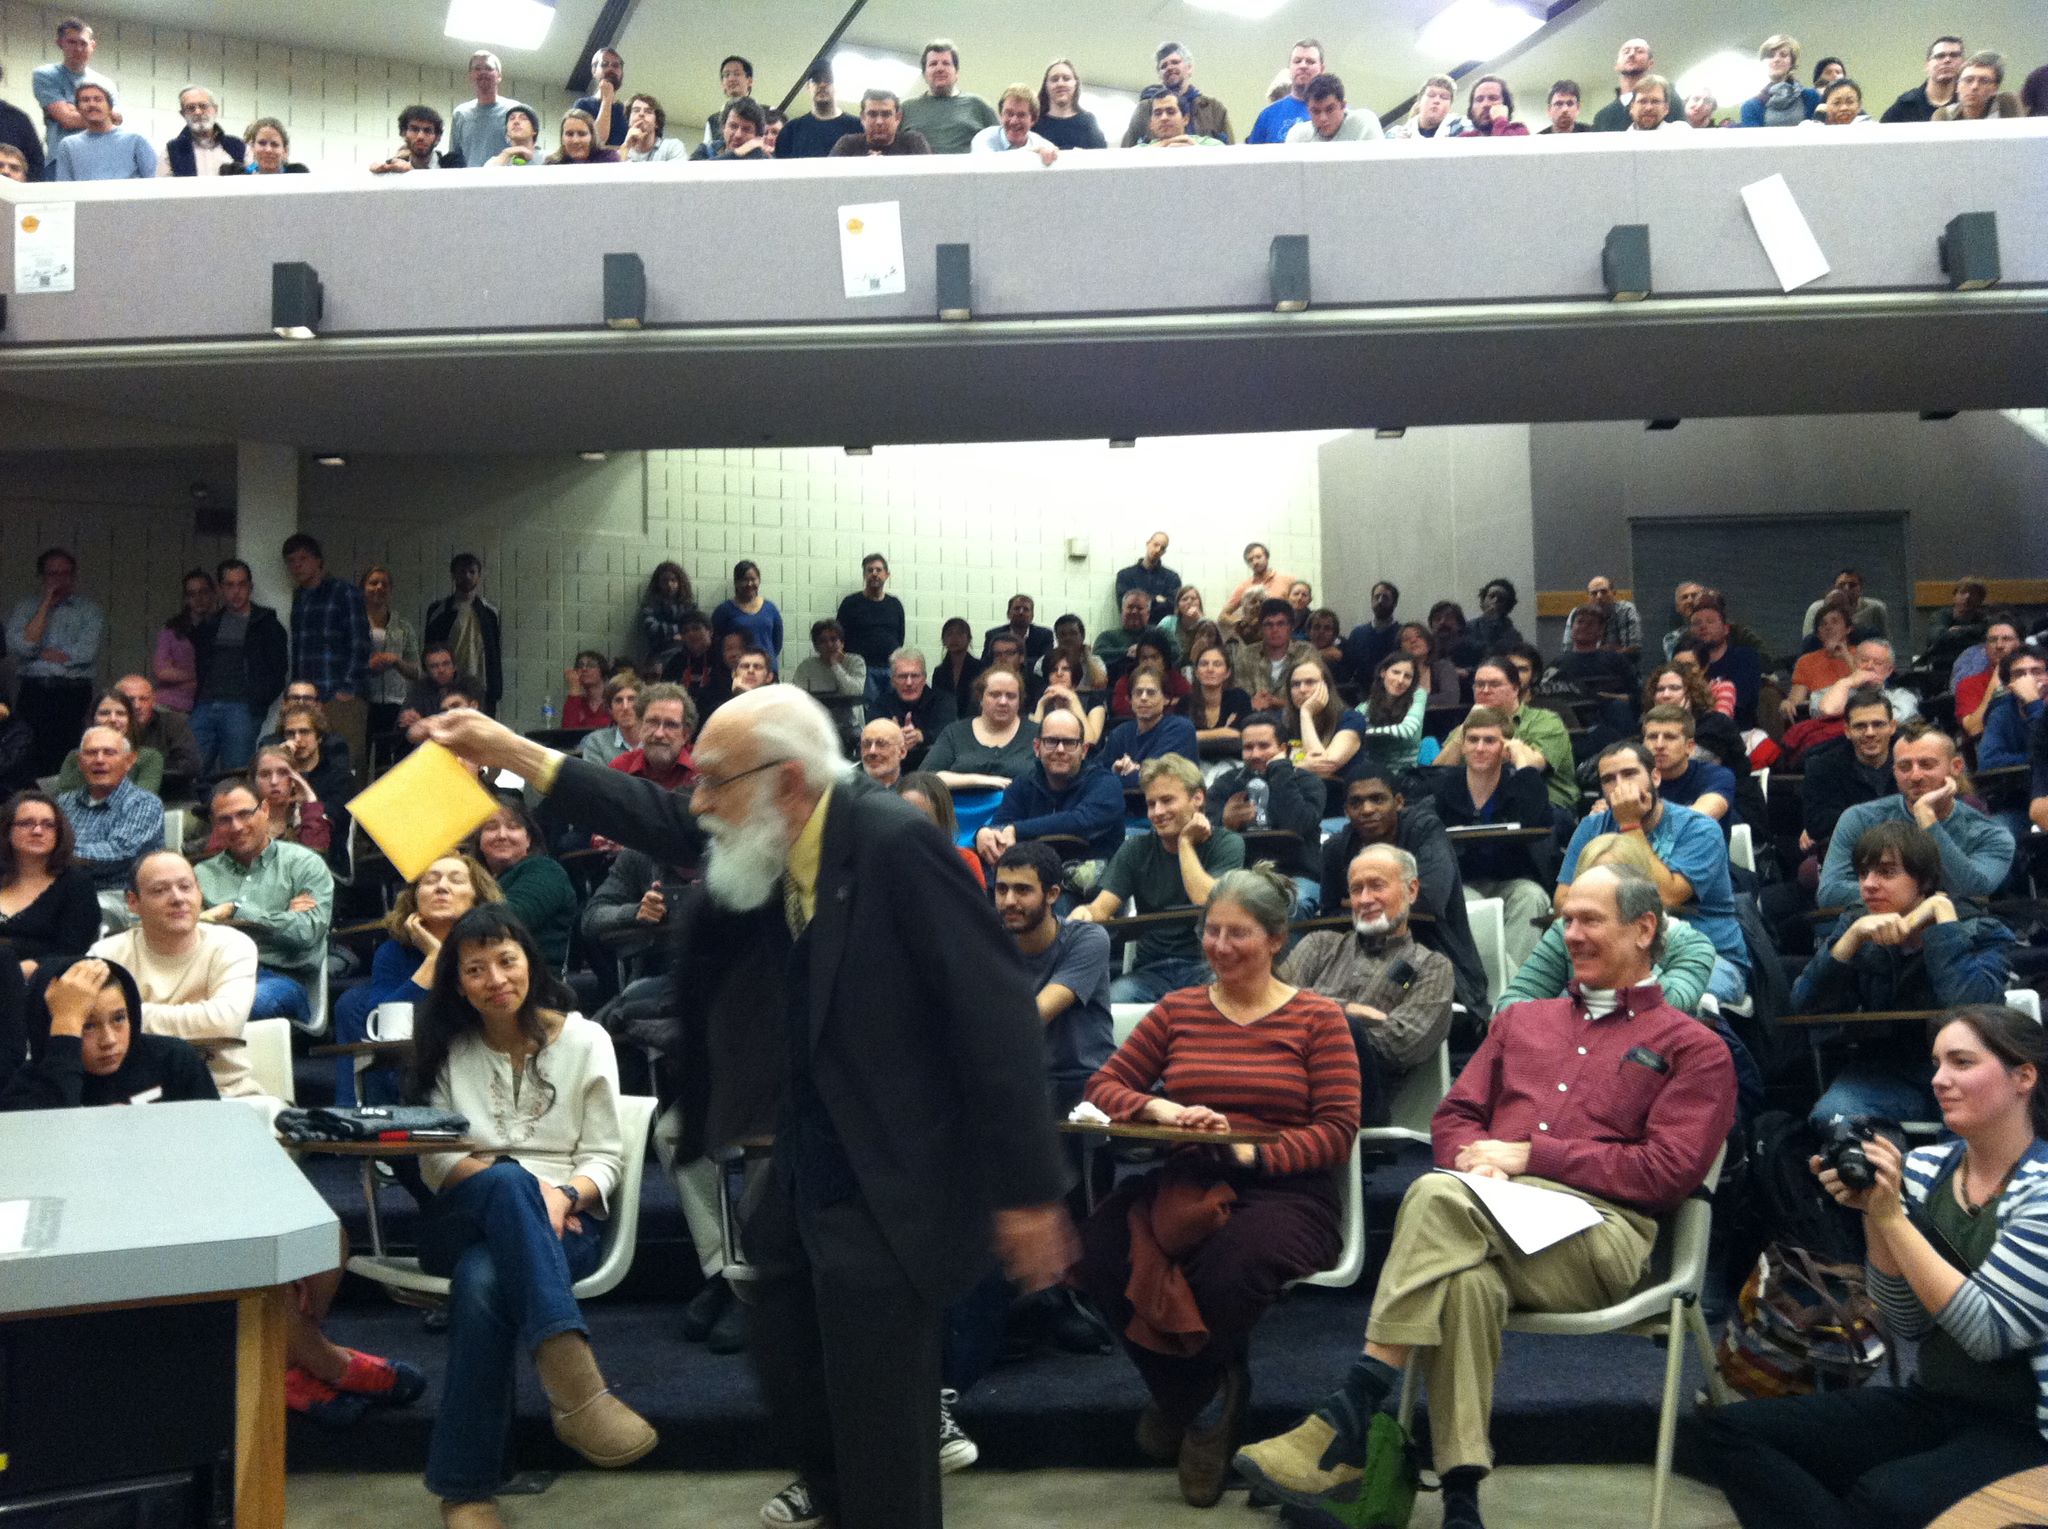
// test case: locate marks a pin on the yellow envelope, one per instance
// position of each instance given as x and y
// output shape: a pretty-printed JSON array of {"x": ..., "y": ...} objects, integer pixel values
[{"x": 422, "y": 807}]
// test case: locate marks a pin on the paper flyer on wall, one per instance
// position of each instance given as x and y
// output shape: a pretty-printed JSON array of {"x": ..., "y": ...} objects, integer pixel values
[
  {"x": 871, "y": 249},
  {"x": 45, "y": 257}
]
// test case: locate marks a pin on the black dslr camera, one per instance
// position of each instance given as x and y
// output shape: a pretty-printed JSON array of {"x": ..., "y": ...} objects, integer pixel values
[{"x": 1841, "y": 1148}]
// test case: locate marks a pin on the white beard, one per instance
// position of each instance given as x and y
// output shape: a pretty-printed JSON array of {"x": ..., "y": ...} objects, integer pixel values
[
  {"x": 1372, "y": 927},
  {"x": 746, "y": 858}
]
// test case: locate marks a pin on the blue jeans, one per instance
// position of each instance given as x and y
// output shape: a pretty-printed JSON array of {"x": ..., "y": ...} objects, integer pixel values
[
  {"x": 1730, "y": 983},
  {"x": 1149, "y": 984},
  {"x": 512, "y": 1279},
  {"x": 1308, "y": 896},
  {"x": 226, "y": 734},
  {"x": 280, "y": 997},
  {"x": 1872, "y": 1088}
]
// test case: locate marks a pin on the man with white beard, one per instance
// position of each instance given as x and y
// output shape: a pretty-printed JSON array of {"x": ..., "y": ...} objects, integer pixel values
[
  {"x": 842, "y": 984},
  {"x": 1396, "y": 993}
]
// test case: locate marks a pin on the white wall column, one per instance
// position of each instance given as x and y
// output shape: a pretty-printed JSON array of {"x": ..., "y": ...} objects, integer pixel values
[{"x": 266, "y": 512}]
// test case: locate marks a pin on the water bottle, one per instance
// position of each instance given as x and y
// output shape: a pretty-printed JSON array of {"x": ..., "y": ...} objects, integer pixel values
[
  {"x": 547, "y": 712},
  {"x": 1257, "y": 789}
]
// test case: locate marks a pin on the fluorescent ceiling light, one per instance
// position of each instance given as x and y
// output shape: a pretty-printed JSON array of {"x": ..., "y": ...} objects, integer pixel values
[
  {"x": 1730, "y": 78},
  {"x": 1109, "y": 106},
  {"x": 501, "y": 23},
  {"x": 858, "y": 69},
  {"x": 1476, "y": 29},
  {"x": 1244, "y": 10}
]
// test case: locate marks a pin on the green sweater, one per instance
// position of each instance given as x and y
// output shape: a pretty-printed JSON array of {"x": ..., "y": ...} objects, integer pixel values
[
  {"x": 1544, "y": 731},
  {"x": 1688, "y": 964},
  {"x": 948, "y": 123},
  {"x": 540, "y": 892}
]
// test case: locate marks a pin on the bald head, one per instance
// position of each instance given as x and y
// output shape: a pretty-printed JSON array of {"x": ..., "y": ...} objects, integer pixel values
[
  {"x": 882, "y": 751},
  {"x": 1613, "y": 926},
  {"x": 141, "y": 695},
  {"x": 104, "y": 758}
]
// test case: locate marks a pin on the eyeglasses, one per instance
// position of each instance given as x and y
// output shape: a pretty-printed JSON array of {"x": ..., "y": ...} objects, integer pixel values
[
  {"x": 1058, "y": 743},
  {"x": 708, "y": 783},
  {"x": 36, "y": 825}
]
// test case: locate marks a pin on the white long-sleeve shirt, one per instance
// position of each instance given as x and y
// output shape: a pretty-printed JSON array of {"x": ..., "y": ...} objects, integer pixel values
[
  {"x": 557, "y": 1115},
  {"x": 202, "y": 996}
]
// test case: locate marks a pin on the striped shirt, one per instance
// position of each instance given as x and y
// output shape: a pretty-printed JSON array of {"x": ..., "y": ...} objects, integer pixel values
[
  {"x": 2002, "y": 1308},
  {"x": 112, "y": 833},
  {"x": 1294, "y": 1071}
]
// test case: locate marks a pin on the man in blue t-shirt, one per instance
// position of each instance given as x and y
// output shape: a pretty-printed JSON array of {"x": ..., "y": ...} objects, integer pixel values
[
  {"x": 56, "y": 85},
  {"x": 1069, "y": 966},
  {"x": 100, "y": 151},
  {"x": 1689, "y": 861},
  {"x": 1303, "y": 65},
  {"x": 1701, "y": 784}
]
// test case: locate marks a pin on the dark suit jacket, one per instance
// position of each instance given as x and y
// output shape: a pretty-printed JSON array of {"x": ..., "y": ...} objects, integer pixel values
[{"x": 925, "y": 1042}]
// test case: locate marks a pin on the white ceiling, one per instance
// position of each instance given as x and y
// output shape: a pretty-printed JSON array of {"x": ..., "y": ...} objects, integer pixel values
[{"x": 673, "y": 46}]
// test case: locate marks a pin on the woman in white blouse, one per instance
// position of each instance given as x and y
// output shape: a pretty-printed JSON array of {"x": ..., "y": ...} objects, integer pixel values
[{"x": 515, "y": 1224}]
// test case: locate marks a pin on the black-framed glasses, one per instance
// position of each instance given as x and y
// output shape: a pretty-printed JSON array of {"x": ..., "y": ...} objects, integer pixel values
[{"x": 707, "y": 783}]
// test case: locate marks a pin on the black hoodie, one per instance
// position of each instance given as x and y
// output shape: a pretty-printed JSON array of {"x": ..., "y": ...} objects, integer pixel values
[{"x": 158, "y": 1068}]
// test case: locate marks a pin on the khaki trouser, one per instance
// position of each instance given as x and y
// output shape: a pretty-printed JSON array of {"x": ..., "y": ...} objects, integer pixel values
[{"x": 1451, "y": 1279}]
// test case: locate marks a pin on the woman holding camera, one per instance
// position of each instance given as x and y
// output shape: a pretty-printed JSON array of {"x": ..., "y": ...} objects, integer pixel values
[{"x": 1958, "y": 1259}]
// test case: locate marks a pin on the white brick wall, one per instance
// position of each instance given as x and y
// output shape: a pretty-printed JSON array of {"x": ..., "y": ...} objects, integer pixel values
[{"x": 340, "y": 108}]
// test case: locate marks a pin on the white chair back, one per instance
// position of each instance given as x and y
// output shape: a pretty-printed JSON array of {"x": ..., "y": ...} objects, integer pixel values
[
  {"x": 1123, "y": 1019},
  {"x": 269, "y": 1054},
  {"x": 1488, "y": 917},
  {"x": 1415, "y": 1101},
  {"x": 2026, "y": 1000},
  {"x": 1742, "y": 847}
]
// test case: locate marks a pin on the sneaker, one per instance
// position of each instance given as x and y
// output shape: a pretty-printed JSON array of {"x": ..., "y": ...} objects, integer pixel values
[
  {"x": 387, "y": 1382},
  {"x": 792, "y": 1508},
  {"x": 956, "y": 1450},
  {"x": 310, "y": 1396}
]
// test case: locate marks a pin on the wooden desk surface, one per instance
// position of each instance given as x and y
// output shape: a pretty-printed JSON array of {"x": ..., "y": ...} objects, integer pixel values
[
  {"x": 2017, "y": 1500},
  {"x": 1874, "y": 1017},
  {"x": 1495, "y": 833},
  {"x": 1144, "y": 1131},
  {"x": 363, "y": 1048},
  {"x": 391, "y": 1149}
]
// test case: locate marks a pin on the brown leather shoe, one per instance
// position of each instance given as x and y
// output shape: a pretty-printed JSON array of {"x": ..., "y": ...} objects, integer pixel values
[
  {"x": 1205, "y": 1452},
  {"x": 1158, "y": 1440}
]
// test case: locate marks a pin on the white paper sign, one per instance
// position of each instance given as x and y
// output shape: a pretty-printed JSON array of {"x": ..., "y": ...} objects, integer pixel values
[
  {"x": 1783, "y": 230},
  {"x": 44, "y": 260},
  {"x": 871, "y": 249},
  {"x": 1533, "y": 1218}
]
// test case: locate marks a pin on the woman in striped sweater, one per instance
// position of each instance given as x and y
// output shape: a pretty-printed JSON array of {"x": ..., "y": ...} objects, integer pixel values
[
  {"x": 1958, "y": 1250},
  {"x": 1185, "y": 1260}
]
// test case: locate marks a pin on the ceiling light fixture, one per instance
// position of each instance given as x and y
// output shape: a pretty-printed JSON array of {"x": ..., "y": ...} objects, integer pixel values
[
  {"x": 521, "y": 24},
  {"x": 1729, "y": 77},
  {"x": 332, "y": 459},
  {"x": 860, "y": 69},
  {"x": 1389, "y": 432},
  {"x": 1477, "y": 29},
  {"x": 1243, "y": 10},
  {"x": 590, "y": 456}
]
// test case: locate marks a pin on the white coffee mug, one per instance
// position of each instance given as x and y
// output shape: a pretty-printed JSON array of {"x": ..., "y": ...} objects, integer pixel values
[{"x": 390, "y": 1022}]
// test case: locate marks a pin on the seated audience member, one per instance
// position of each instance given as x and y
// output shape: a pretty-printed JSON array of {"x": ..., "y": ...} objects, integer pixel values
[
  {"x": 882, "y": 130},
  {"x": 2013, "y": 711},
  {"x": 1215, "y": 706},
  {"x": 1497, "y": 684},
  {"x": 1267, "y": 793},
  {"x": 923, "y": 709},
  {"x": 1489, "y": 112},
  {"x": 1963, "y": 614},
  {"x": 1326, "y": 638},
  {"x": 993, "y": 748},
  {"x": 1432, "y": 110},
  {"x": 1683, "y": 970},
  {"x": 1396, "y": 994},
  {"x": 1965, "y": 1285},
  {"x": 1650, "y": 111},
  {"x": 1034, "y": 641},
  {"x": 1594, "y": 668},
  {"x": 1187, "y": 614},
  {"x": 1210, "y": 1239},
  {"x": 1317, "y": 738},
  {"x": 1494, "y": 626},
  {"x": 517, "y": 1222},
  {"x": 281, "y": 895},
  {"x": 736, "y": 79},
  {"x": 1375, "y": 812},
  {"x": 1061, "y": 794},
  {"x": 101, "y": 151},
  {"x": 47, "y": 907},
  {"x": 14, "y": 164},
  {"x": 646, "y": 129},
  {"x": 930, "y": 795},
  {"x": 1564, "y": 110},
  {"x": 1691, "y": 861},
  {"x": 1700, "y": 108},
  {"x": 1067, "y": 688},
  {"x": 112, "y": 819},
  {"x": 695, "y": 666},
  {"x": 1153, "y": 649},
  {"x": 1976, "y": 669},
  {"x": 201, "y": 147},
  {"x": 1389, "y": 724},
  {"x": 438, "y": 674},
  {"x": 667, "y": 723},
  {"x": 1700, "y": 784},
  {"x": 958, "y": 667},
  {"x": 1371, "y": 641},
  {"x": 1783, "y": 102},
  {"x": 1979, "y": 97},
  {"x": 1173, "y": 867},
  {"x": 1875, "y": 665},
  {"x": 536, "y": 887},
  {"x": 296, "y": 816},
  {"x": 1901, "y": 946},
  {"x": 583, "y": 707},
  {"x": 1069, "y": 965},
  {"x": 882, "y": 751},
  {"x": 87, "y": 1047},
  {"x": 817, "y": 133},
  {"x": 1723, "y": 658},
  {"x": 114, "y": 710},
  {"x": 197, "y": 979},
  {"x": 320, "y": 754},
  {"x": 160, "y": 728},
  {"x": 1134, "y": 614},
  {"x": 1714, "y": 732},
  {"x": 1976, "y": 852},
  {"x": 744, "y": 135},
  {"x": 402, "y": 970},
  {"x": 622, "y": 703},
  {"x": 1070, "y": 631},
  {"x": 1017, "y": 115},
  {"x": 1829, "y": 662},
  {"x": 1841, "y": 105},
  {"x": 1440, "y": 674},
  {"x": 1854, "y": 769},
  {"x": 1623, "y": 629},
  {"x": 1632, "y": 1139},
  {"x": 1166, "y": 123},
  {"x": 419, "y": 132},
  {"x": 522, "y": 139},
  {"x": 1151, "y": 733},
  {"x": 1330, "y": 120},
  {"x": 270, "y": 147},
  {"x": 1262, "y": 668},
  {"x": 576, "y": 142},
  {"x": 1454, "y": 639},
  {"x": 831, "y": 670},
  {"x": 1501, "y": 784}
]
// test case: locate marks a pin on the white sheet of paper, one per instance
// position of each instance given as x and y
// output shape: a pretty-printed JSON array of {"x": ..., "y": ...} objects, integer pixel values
[
  {"x": 1783, "y": 231},
  {"x": 14, "y": 1225},
  {"x": 1533, "y": 1218},
  {"x": 45, "y": 257},
  {"x": 871, "y": 249}
]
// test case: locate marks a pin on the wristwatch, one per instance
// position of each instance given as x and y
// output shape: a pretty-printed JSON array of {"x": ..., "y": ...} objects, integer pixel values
[{"x": 575, "y": 1198}]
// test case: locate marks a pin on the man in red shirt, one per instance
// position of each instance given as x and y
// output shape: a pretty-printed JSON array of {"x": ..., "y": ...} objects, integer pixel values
[
  {"x": 668, "y": 721},
  {"x": 1607, "y": 1094}
]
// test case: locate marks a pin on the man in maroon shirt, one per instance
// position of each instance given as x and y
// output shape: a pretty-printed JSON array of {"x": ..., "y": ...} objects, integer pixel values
[
  {"x": 668, "y": 719},
  {"x": 1607, "y": 1094}
]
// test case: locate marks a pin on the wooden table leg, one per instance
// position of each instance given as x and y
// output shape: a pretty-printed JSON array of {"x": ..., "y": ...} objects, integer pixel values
[{"x": 260, "y": 1324}]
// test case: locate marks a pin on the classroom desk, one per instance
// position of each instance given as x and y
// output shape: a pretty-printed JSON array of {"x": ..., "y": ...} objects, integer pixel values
[
  {"x": 2018, "y": 1500},
  {"x": 1093, "y": 1134},
  {"x": 369, "y": 1154},
  {"x": 1873, "y": 1017},
  {"x": 168, "y": 1205}
]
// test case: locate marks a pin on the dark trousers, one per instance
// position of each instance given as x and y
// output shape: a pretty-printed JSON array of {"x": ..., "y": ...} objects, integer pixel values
[
  {"x": 1279, "y": 1230},
  {"x": 55, "y": 709},
  {"x": 1884, "y": 1457},
  {"x": 847, "y": 1352}
]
